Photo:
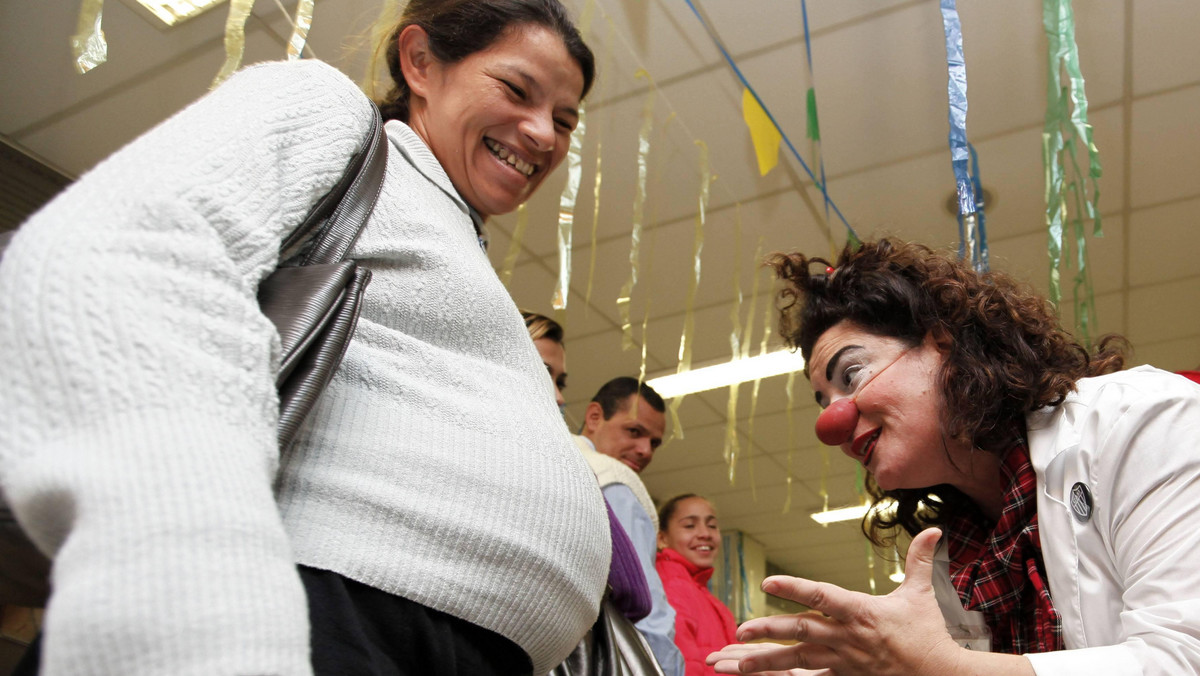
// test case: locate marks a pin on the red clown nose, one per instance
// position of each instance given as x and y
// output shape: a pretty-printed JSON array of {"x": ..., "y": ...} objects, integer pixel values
[{"x": 836, "y": 424}]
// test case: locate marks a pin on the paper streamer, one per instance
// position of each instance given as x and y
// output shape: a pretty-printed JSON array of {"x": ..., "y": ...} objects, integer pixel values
[
  {"x": 689, "y": 318},
  {"x": 767, "y": 309},
  {"x": 639, "y": 208},
  {"x": 790, "y": 388},
  {"x": 235, "y": 38},
  {"x": 735, "y": 343},
  {"x": 88, "y": 45},
  {"x": 870, "y": 567},
  {"x": 813, "y": 128},
  {"x": 712, "y": 34},
  {"x": 1066, "y": 128},
  {"x": 300, "y": 27},
  {"x": 732, "y": 445},
  {"x": 972, "y": 246},
  {"x": 763, "y": 133},
  {"x": 607, "y": 61},
  {"x": 514, "y": 246},
  {"x": 566, "y": 214}
]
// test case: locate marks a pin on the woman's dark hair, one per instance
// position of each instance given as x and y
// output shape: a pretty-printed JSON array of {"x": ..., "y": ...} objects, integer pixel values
[
  {"x": 1006, "y": 354},
  {"x": 668, "y": 509},
  {"x": 459, "y": 28}
]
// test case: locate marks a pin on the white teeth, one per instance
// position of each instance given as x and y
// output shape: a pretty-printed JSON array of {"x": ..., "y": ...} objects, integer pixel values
[{"x": 510, "y": 157}]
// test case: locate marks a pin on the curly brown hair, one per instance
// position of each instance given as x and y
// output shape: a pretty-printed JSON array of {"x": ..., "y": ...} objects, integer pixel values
[{"x": 1007, "y": 355}]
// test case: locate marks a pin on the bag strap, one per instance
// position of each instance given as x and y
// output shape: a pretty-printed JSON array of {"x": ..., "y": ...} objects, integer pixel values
[{"x": 339, "y": 216}]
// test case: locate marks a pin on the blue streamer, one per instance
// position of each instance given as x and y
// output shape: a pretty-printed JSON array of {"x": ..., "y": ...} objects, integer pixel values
[
  {"x": 745, "y": 83},
  {"x": 812, "y": 79},
  {"x": 967, "y": 186}
]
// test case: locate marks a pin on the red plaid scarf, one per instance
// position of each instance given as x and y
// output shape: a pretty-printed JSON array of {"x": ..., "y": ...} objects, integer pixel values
[{"x": 1001, "y": 572}]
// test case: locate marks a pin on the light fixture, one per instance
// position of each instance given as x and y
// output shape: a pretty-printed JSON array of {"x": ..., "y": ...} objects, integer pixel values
[
  {"x": 855, "y": 512},
  {"x": 829, "y": 516},
  {"x": 173, "y": 12},
  {"x": 727, "y": 373}
]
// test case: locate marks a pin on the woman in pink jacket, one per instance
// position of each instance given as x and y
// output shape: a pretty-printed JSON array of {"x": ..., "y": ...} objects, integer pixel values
[{"x": 688, "y": 540}]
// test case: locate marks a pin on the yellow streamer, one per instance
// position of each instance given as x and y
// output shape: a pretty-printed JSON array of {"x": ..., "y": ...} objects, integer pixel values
[
  {"x": 735, "y": 339},
  {"x": 607, "y": 59},
  {"x": 566, "y": 214},
  {"x": 790, "y": 388},
  {"x": 639, "y": 209},
  {"x": 235, "y": 38},
  {"x": 689, "y": 320},
  {"x": 300, "y": 28},
  {"x": 763, "y": 133},
  {"x": 754, "y": 400},
  {"x": 732, "y": 446},
  {"x": 514, "y": 246},
  {"x": 87, "y": 44}
]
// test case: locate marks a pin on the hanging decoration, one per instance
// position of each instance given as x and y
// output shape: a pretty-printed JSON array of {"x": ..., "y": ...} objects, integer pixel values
[
  {"x": 301, "y": 24},
  {"x": 639, "y": 209},
  {"x": 762, "y": 351},
  {"x": 1066, "y": 129},
  {"x": 712, "y": 34},
  {"x": 813, "y": 128},
  {"x": 790, "y": 389},
  {"x": 741, "y": 351},
  {"x": 689, "y": 316},
  {"x": 566, "y": 213},
  {"x": 514, "y": 246},
  {"x": 972, "y": 243},
  {"x": 235, "y": 38},
  {"x": 763, "y": 134},
  {"x": 88, "y": 45},
  {"x": 607, "y": 61}
]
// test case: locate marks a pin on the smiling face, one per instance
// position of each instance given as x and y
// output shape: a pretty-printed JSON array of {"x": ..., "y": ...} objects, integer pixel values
[
  {"x": 500, "y": 120},
  {"x": 555, "y": 359},
  {"x": 630, "y": 438},
  {"x": 693, "y": 532},
  {"x": 897, "y": 433}
]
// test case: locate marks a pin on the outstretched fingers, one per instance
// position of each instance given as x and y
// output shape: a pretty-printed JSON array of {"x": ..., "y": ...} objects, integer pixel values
[
  {"x": 770, "y": 659},
  {"x": 838, "y": 603},
  {"x": 810, "y": 627}
]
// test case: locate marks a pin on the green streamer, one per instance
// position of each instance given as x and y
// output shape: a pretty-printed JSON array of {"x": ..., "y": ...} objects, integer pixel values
[
  {"x": 814, "y": 127},
  {"x": 1066, "y": 129}
]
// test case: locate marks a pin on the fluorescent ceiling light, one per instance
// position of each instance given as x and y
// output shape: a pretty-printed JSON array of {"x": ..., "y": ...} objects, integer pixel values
[
  {"x": 855, "y": 513},
  {"x": 172, "y": 12},
  {"x": 727, "y": 373},
  {"x": 897, "y": 576}
]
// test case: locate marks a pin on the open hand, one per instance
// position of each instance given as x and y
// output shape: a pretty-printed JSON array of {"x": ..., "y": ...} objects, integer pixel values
[{"x": 851, "y": 634}]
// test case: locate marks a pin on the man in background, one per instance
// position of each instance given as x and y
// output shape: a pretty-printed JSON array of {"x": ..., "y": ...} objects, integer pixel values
[{"x": 622, "y": 428}]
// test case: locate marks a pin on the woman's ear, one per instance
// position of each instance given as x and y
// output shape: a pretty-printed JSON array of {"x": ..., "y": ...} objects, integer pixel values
[
  {"x": 941, "y": 339},
  {"x": 416, "y": 61},
  {"x": 662, "y": 540}
]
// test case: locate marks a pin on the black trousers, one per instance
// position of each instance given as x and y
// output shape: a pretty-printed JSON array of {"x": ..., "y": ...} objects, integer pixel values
[{"x": 360, "y": 631}]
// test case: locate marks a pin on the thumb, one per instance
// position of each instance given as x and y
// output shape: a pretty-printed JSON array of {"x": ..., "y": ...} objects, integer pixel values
[{"x": 918, "y": 564}]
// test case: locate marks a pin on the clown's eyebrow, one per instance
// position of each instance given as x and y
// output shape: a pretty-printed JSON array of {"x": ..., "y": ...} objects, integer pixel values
[{"x": 829, "y": 368}]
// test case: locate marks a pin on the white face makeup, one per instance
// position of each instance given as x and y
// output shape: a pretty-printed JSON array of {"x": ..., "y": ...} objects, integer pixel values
[{"x": 894, "y": 428}]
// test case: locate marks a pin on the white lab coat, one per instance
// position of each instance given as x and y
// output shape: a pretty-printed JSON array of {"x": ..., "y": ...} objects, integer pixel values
[{"x": 1124, "y": 574}]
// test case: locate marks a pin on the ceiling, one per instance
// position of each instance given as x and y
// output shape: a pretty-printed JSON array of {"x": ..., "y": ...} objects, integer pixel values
[{"x": 880, "y": 75}]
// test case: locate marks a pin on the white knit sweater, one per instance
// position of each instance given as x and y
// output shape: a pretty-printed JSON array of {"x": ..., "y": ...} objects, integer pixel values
[{"x": 137, "y": 406}]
